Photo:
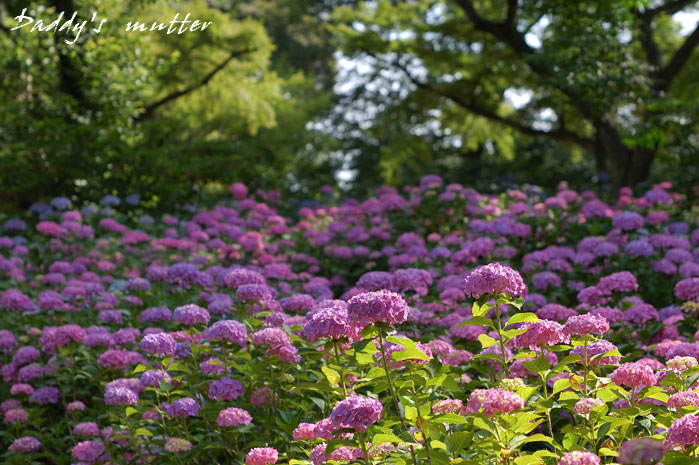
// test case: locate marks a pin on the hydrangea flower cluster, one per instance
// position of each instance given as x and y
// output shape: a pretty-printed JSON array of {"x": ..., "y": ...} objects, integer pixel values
[{"x": 279, "y": 318}]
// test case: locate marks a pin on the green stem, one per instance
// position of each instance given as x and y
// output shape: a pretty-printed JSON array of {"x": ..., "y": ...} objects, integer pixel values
[
  {"x": 417, "y": 406},
  {"x": 546, "y": 396},
  {"x": 585, "y": 369},
  {"x": 390, "y": 380},
  {"x": 362, "y": 445},
  {"x": 501, "y": 340},
  {"x": 339, "y": 365},
  {"x": 393, "y": 391}
]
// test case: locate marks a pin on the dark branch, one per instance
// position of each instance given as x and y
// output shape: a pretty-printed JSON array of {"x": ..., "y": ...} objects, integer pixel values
[
  {"x": 682, "y": 55},
  {"x": 560, "y": 134},
  {"x": 149, "y": 111},
  {"x": 669, "y": 8},
  {"x": 511, "y": 13},
  {"x": 650, "y": 47},
  {"x": 478, "y": 21},
  {"x": 505, "y": 31}
]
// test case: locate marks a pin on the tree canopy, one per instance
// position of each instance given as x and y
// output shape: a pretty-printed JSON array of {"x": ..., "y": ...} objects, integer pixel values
[
  {"x": 614, "y": 79},
  {"x": 299, "y": 93}
]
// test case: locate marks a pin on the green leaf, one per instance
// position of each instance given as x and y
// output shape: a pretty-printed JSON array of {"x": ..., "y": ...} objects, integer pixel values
[
  {"x": 608, "y": 452},
  {"x": 477, "y": 321},
  {"x": 130, "y": 411},
  {"x": 481, "y": 306},
  {"x": 382, "y": 438},
  {"x": 486, "y": 341},
  {"x": 140, "y": 368},
  {"x": 410, "y": 413},
  {"x": 445, "y": 381},
  {"x": 561, "y": 384},
  {"x": 528, "y": 460},
  {"x": 539, "y": 365},
  {"x": 451, "y": 419},
  {"x": 611, "y": 353},
  {"x": 410, "y": 351},
  {"x": 459, "y": 439},
  {"x": 522, "y": 318},
  {"x": 180, "y": 367},
  {"x": 143, "y": 432},
  {"x": 332, "y": 375},
  {"x": 533, "y": 438}
]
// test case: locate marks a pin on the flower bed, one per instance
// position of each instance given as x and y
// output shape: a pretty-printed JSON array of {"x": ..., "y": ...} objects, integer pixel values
[{"x": 436, "y": 326}]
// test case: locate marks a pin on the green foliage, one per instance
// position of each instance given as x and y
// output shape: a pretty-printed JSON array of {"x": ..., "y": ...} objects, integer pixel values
[
  {"x": 439, "y": 73},
  {"x": 166, "y": 115}
]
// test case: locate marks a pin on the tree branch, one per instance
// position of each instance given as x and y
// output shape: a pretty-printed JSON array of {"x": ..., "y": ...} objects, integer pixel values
[
  {"x": 505, "y": 31},
  {"x": 682, "y": 55},
  {"x": 511, "y": 13},
  {"x": 670, "y": 8},
  {"x": 149, "y": 111},
  {"x": 477, "y": 20},
  {"x": 560, "y": 134},
  {"x": 650, "y": 47}
]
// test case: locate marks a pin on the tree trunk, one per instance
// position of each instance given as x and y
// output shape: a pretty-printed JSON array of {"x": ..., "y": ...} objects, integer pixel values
[{"x": 632, "y": 165}]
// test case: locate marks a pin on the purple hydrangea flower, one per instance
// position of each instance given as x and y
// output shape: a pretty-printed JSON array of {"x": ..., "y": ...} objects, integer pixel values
[
  {"x": 185, "y": 407},
  {"x": 378, "y": 306},
  {"x": 233, "y": 417},
  {"x": 228, "y": 330},
  {"x": 225, "y": 389},
  {"x": 493, "y": 279},
  {"x": 191, "y": 315},
  {"x": 160, "y": 344},
  {"x": 356, "y": 412}
]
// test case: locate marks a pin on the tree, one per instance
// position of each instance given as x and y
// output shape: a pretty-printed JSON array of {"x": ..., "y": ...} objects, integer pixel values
[
  {"x": 612, "y": 78},
  {"x": 160, "y": 114}
]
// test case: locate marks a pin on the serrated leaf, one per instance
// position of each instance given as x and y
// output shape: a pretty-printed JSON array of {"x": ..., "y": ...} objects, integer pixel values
[
  {"x": 332, "y": 375},
  {"x": 481, "y": 306},
  {"x": 477, "y": 321},
  {"x": 522, "y": 318},
  {"x": 451, "y": 419},
  {"x": 608, "y": 452},
  {"x": 539, "y": 365},
  {"x": 486, "y": 341},
  {"x": 528, "y": 460},
  {"x": 382, "y": 438}
]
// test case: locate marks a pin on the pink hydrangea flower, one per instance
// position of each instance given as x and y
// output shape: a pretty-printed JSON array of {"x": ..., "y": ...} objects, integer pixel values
[
  {"x": 579, "y": 458},
  {"x": 448, "y": 406},
  {"x": 683, "y": 399},
  {"x": 493, "y": 402},
  {"x": 683, "y": 432},
  {"x": 233, "y": 417},
  {"x": 493, "y": 279},
  {"x": 681, "y": 364},
  {"x": 586, "y": 405},
  {"x": 634, "y": 374},
  {"x": 586, "y": 324},
  {"x": 378, "y": 307},
  {"x": 542, "y": 333},
  {"x": 261, "y": 456}
]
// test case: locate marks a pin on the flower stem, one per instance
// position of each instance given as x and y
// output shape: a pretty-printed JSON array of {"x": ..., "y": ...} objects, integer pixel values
[
  {"x": 546, "y": 396},
  {"x": 393, "y": 391},
  {"x": 362, "y": 445},
  {"x": 339, "y": 365},
  {"x": 585, "y": 368},
  {"x": 501, "y": 340}
]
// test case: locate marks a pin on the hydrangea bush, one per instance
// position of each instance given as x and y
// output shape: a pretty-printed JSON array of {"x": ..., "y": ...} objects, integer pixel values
[{"x": 432, "y": 325}]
